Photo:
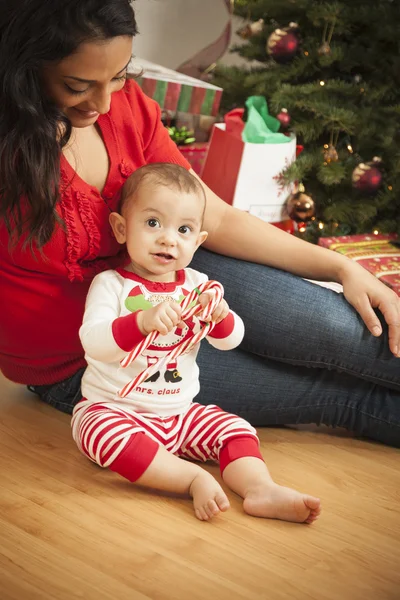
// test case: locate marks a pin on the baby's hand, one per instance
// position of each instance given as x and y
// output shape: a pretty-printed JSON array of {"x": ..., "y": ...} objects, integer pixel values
[
  {"x": 221, "y": 310},
  {"x": 162, "y": 318}
]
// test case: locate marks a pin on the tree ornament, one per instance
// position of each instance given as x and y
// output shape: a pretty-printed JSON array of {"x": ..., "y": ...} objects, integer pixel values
[
  {"x": 284, "y": 118},
  {"x": 300, "y": 206},
  {"x": 329, "y": 150},
  {"x": 283, "y": 44},
  {"x": 301, "y": 226},
  {"x": 367, "y": 177},
  {"x": 325, "y": 47},
  {"x": 330, "y": 153},
  {"x": 251, "y": 29}
]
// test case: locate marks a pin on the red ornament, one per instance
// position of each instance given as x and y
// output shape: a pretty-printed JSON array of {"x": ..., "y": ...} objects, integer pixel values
[
  {"x": 301, "y": 226},
  {"x": 367, "y": 177},
  {"x": 284, "y": 118},
  {"x": 283, "y": 44}
]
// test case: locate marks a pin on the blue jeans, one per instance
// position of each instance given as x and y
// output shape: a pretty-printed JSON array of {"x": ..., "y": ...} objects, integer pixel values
[{"x": 306, "y": 357}]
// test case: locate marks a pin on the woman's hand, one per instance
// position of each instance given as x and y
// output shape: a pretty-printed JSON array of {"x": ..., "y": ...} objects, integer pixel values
[
  {"x": 221, "y": 310},
  {"x": 365, "y": 292}
]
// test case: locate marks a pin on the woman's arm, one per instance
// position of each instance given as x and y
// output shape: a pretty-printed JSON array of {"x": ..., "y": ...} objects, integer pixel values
[{"x": 236, "y": 233}]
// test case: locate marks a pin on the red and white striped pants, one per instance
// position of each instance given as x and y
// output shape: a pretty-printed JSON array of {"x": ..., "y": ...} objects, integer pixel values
[{"x": 127, "y": 441}]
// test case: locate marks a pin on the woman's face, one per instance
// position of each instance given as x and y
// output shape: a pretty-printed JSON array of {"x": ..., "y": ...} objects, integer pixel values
[{"x": 82, "y": 83}]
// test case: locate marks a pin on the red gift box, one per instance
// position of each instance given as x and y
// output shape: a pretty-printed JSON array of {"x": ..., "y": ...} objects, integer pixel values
[
  {"x": 195, "y": 154},
  {"x": 376, "y": 253}
]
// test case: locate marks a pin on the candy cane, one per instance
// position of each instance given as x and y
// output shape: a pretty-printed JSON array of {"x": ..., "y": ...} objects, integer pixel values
[{"x": 185, "y": 345}]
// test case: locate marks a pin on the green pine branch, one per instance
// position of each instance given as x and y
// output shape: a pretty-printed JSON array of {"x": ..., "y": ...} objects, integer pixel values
[{"x": 358, "y": 106}]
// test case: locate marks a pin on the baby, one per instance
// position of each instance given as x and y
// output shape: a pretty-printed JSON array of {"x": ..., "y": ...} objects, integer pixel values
[{"x": 144, "y": 432}]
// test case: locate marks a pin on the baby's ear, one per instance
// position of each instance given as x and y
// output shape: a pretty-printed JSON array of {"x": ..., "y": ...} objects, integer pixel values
[
  {"x": 118, "y": 225},
  {"x": 203, "y": 235}
]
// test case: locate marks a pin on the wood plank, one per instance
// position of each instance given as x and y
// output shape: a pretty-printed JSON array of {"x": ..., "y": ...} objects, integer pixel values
[{"x": 69, "y": 529}]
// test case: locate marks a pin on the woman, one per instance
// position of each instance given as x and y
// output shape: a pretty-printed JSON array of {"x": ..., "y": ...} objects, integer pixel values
[{"x": 71, "y": 132}]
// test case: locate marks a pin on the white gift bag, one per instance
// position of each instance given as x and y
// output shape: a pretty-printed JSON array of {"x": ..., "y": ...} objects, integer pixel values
[{"x": 248, "y": 175}]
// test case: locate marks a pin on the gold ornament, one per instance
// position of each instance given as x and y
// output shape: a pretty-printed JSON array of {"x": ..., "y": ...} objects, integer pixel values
[
  {"x": 324, "y": 49},
  {"x": 330, "y": 153},
  {"x": 300, "y": 206},
  {"x": 251, "y": 29}
]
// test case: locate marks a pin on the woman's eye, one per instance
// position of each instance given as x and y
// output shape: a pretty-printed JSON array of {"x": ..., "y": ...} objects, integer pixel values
[
  {"x": 76, "y": 92},
  {"x": 153, "y": 223},
  {"x": 184, "y": 229}
]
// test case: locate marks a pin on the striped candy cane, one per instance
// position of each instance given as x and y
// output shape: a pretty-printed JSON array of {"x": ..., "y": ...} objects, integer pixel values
[{"x": 186, "y": 344}]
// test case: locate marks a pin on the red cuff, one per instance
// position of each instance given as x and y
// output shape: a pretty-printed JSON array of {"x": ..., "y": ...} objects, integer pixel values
[
  {"x": 224, "y": 328},
  {"x": 239, "y": 447},
  {"x": 136, "y": 457},
  {"x": 126, "y": 332}
]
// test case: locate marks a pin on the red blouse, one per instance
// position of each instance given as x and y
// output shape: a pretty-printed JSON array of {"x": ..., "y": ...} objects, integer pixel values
[{"x": 43, "y": 297}]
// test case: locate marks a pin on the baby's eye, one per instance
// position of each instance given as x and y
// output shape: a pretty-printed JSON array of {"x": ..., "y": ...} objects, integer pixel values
[
  {"x": 153, "y": 223},
  {"x": 184, "y": 229}
]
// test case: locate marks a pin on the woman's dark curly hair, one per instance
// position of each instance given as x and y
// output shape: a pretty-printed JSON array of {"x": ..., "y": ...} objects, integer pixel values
[{"x": 35, "y": 33}]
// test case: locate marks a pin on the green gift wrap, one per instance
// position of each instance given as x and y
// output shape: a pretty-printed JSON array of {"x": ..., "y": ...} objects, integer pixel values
[{"x": 261, "y": 127}]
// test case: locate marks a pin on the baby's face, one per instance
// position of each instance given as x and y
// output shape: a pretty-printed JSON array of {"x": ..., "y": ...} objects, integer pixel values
[{"x": 163, "y": 230}]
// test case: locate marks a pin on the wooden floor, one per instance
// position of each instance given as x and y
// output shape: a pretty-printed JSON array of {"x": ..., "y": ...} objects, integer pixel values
[{"x": 69, "y": 529}]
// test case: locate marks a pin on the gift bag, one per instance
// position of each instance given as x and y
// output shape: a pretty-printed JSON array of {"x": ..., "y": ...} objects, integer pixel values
[{"x": 248, "y": 174}]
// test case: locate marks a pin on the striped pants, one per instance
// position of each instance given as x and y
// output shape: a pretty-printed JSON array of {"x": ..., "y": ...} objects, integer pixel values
[{"x": 127, "y": 441}]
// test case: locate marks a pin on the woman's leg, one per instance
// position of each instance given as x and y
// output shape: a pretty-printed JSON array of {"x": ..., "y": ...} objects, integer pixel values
[
  {"x": 266, "y": 392},
  {"x": 63, "y": 395},
  {"x": 295, "y": 321},
  {"x": 292, "y": 325}
]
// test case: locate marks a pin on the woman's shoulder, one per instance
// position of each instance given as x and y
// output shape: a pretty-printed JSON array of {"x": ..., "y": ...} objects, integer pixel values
[
  {"x": 135, "y": 117},
  {"x": 136, "y": 120},
  {"x": 132, "y": 102}
]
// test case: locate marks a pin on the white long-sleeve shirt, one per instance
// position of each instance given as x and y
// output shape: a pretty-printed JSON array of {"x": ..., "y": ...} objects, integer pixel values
[{"x": 110, "y": 331}]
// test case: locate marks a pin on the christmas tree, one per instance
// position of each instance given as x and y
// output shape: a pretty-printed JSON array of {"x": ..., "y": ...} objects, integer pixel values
[{"x": 335, "y": 68}]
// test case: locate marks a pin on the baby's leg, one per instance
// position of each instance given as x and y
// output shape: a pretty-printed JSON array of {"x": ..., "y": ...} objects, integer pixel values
[
  {"x": 247, "y": 475},
  {"x": 212, "y": 433},
  {"x": 124, "y": 442},
  {"x": 168, "y": 473}
]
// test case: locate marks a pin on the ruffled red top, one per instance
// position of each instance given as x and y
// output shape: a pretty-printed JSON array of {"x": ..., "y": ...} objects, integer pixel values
[{"x": 43, "y": 296}]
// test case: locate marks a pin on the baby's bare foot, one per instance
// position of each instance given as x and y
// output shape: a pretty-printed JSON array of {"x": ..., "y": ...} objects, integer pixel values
[
  {"x": 208, "y": 496},
  {"x": 277, "y": 502}
]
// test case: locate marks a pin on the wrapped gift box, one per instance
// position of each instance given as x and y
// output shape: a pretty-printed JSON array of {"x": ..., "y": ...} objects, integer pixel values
[
  {"x": 376, "y": 253},
  {"x": 195, "y": 154},
  {"x": 177, "y": 92}
]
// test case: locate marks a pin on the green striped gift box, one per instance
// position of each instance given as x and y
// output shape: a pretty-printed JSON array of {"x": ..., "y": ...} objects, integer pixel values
[{"x": 177, "y": 92}]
